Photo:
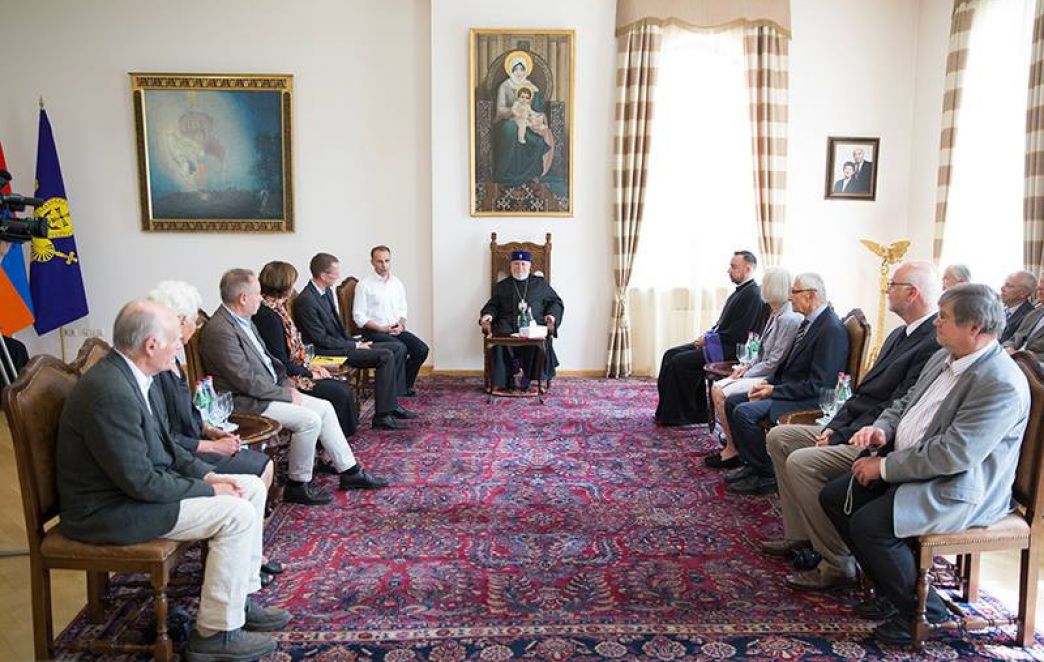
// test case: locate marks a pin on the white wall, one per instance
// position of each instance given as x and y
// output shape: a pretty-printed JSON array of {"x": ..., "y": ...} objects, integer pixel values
[
  {"x": 361, "y": 127},
  {"x": 583, "y": 244}
]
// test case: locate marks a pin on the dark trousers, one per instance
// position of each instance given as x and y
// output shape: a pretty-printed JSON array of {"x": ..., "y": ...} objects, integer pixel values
[
  {"x": 339, "y": 394},
  {"x": 745, "y": 417},
  {"x": 870, "y": 533},
  {"x": 415, "y": 348},
  {"x": 682, "y": 387},
  {"x": 388, "y": 377}
]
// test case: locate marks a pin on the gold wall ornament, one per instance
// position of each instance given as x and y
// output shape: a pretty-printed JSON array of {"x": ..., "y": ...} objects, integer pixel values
[{"x": 889, "y": 256}]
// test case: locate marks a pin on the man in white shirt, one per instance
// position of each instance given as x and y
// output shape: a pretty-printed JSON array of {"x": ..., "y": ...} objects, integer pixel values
[
  {"x": 379, "y": 310},
  {"x": 948, "y": 454}
]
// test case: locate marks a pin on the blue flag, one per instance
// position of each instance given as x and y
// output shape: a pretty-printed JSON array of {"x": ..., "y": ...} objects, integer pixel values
[{"x": 54, "y": 275}]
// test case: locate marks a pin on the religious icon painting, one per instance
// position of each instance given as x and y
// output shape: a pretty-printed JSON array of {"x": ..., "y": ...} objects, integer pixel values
[{"x": 521, "y": 84}]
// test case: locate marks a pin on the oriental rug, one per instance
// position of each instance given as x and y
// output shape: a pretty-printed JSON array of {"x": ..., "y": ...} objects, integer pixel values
[{"x": 572, "y": 530}]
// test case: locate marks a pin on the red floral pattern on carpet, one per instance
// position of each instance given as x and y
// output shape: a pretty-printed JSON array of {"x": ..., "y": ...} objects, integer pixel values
[{"x": 576, "y": 529}]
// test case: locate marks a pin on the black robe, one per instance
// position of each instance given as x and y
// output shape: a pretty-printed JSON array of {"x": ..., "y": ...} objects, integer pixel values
[{"x": 503, "y": 306}]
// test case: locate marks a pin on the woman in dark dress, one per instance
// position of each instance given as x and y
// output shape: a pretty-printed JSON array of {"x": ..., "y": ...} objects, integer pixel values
[{"x": 283, "y": 341}]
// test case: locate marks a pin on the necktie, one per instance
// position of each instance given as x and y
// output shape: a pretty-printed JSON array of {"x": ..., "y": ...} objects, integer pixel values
[{"x": 802, "y": 330}]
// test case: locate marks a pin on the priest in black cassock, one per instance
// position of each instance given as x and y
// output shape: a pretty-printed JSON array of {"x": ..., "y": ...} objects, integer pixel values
[
  {"x": 500, "y": 317},
  {"x": 683, "y": 396}
]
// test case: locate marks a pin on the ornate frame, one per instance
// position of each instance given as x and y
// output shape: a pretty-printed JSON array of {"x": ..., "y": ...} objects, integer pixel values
[
  {"x": 282, "y": 220},
  {"x": 527, "y": 40}
]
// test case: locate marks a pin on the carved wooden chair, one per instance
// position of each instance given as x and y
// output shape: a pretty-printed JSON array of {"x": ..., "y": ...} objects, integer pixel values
[
  {"x": 194, "y": 370},
  {"x": 1020, "y": 530},
  {"x": 362, "y": 379},
  {"x": 33, "y": 405},
  {"x": 499, "y": 269},
  {"x": 92, "y": 351}
]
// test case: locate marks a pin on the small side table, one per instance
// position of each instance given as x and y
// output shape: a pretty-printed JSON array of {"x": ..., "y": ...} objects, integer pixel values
[{"x": 489, "y": 342}]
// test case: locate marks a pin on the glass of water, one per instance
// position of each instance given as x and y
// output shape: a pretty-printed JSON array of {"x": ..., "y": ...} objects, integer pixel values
[
  {"x": 309, "y": 353},
  {"x": 741, "y": 353},
  {"x": 827, "y": 404}
]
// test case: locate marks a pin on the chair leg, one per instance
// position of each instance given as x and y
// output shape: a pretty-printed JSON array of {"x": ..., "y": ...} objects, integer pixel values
[
  {"x": 163, "y": 650},
  {"x": 971, "y": 578},
  {"x": 1028, "y": 594},
  {"x": 43, "y": 627},
  {"x": 97, "y": 584},
  {"x": 920, "y": 620}
]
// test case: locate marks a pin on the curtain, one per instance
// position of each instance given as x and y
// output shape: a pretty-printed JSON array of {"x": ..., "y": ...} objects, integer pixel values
[
  {"x": 703, "y": 14},
  {"x": 765, "y": 50},
  {"x": 636, "y": 66},
  {"x": 1033, "y": 205},
  {"x": 956, "y": 62}
]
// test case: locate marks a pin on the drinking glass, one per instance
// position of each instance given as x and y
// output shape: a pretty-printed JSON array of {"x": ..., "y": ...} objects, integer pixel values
[
  {"x": 222, "y": 410},
  {"x": 828, "y": 404},
  {"x": 741, "y": 353},
  {"x": 309, "y": 353}
]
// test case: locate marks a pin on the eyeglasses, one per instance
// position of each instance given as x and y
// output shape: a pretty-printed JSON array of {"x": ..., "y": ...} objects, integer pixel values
[
  {"x": 808, "y": 289},
  {"x": 893, "y": 283}
]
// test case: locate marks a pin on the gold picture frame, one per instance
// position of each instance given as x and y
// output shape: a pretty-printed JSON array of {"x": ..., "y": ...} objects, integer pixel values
[
  {"x": 521, "y": 99},
  {"x": 214, "y": 152}
]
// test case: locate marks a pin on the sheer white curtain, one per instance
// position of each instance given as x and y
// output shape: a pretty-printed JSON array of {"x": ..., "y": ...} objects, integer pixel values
[
  {"x": 700, "y": 203},
  {"x": 984, "y": 223}
]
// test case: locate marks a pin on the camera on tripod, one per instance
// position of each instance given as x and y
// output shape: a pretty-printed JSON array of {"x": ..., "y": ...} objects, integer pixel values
[{"x": 19, "y": 230}]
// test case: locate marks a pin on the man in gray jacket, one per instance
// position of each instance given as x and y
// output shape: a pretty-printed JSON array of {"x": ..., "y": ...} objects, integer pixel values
[
  {"x": 948, "y": 454},
  {"x": 123, "y": 480},
  {"x": 1030, "y": 334}
]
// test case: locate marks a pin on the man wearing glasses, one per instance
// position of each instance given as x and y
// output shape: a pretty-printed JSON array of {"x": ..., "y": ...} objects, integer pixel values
[{"x": 819, "y": 353}]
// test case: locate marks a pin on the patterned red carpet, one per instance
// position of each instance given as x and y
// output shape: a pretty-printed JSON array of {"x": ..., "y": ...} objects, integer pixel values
[{"x": 573, "y": 530}]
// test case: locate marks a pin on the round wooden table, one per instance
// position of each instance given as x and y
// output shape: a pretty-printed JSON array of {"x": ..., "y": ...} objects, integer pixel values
[{"x": 256, "y": 430}]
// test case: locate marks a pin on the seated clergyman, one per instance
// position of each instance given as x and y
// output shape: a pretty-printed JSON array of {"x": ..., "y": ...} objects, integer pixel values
[{"x": 513, "y": 298}]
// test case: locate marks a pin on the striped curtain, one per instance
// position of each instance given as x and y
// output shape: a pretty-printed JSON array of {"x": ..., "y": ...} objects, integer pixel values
[
  {"x": 1033, "y": 206},
  {"x": 638, "y": 51},
  {"x": 956, "y": 61},
  {"x": 765, "y": 50}
]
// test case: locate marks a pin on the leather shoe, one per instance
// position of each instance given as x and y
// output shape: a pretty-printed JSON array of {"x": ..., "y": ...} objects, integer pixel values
[
  {"x": 783, "y": 548},
  {"x": 806, "y": 559},
  {"x": 875, "y": 609},
  {"x": 401, "y": 412},
  {"x": 819, "y": 580},
  {"x": 264, "y": 619},
  {"x": 753, "y": 484},
  {"x": 305, "y": 494},
  {"x": 388, "y": 422},
  {"x": 714, "y": 461},
  {"x": 272, "y": 567},
  {"x": 739, "y": 474},
  {"x": 361, "y": 480},
  {"x": 409, "y": 393},
  {"x": 235, "y": 645}
]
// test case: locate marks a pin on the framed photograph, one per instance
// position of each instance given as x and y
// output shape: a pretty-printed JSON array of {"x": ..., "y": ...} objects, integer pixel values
[
  {"x": 521, "y": 129},
  {"x": 851, "y": 172},
  {"x": 214, "y": 152}
]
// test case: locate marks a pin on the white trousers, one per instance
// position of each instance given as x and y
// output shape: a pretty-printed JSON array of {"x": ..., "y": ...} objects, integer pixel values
[
  {"x": 313, "y": 419},
  {"x": 232, "y": 527}
]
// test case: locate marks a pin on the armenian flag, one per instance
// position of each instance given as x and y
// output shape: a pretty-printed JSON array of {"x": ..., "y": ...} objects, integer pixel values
[
  {"x": 16, "y": 307},
  {"x": 54, "y": 275}
]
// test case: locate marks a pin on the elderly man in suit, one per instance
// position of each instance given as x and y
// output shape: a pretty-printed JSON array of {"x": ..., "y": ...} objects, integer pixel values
[
  {"x": 1015, "y": 294},
  {"x": 819, "y": 353},
  {"x": 805, "y": 457},
  {"x": 946, "y": 458},
  {"x": 123, "y": 480},
  {"x": 233, "y": 353},
  {"x": 315, "y": 314},
  {"x": 1030, "y": 334}
]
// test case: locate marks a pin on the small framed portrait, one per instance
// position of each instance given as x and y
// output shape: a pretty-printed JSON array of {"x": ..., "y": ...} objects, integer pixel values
[
  {"x": 851, "y": 172},
  {"x": 214, "y": 152},
  {"x": 521, "y": 111}
]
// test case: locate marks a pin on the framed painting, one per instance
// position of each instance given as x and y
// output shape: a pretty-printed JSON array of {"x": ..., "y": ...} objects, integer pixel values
[
  {"x": 214, "y": 152},
  {"x": 851, "y": 172},
  {"x": 521, "y": 129}
]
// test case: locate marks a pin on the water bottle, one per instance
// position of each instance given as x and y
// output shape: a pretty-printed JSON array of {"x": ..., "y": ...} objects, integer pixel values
[
  {"x": 753, "y": 347},
  {"x": 844, "y": 389},
  {"x": 200, "y": 399},
  {"x": 208, "y": 386}
]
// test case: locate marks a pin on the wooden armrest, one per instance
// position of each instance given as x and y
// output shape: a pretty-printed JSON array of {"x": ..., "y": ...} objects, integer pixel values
[
  {"x": 719, "y": 368},
  {"x": 806, "y": 417}
]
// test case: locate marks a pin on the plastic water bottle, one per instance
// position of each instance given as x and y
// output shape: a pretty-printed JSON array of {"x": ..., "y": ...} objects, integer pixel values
[
  {"x": 844, "y": 389},
  {"x": 201, "y": 400},
  {"x": 753, "y": 347},
  {"x": 208, "y": 385}
]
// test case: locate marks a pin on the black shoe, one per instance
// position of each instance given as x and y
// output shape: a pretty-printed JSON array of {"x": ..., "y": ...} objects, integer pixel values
[
  {"x": 806, "y": 559},
  {"x": 400, "y": 412},
  {"x": 266, "y": 578},
  {"x": 409, "y": 393},
  {"x": 875, "y": 609},
  {"x": 362, "y": 480},
  {"x": 305, "y": 494},
  {"x": 388, "y": 422},
  {"x": 714, "y": 461},
  {"x": 740, "y": 474},
  {"x": 272, "y": 567},
  {"x": 264, "y": 619},
  {"x": 753, "y": 484}
]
